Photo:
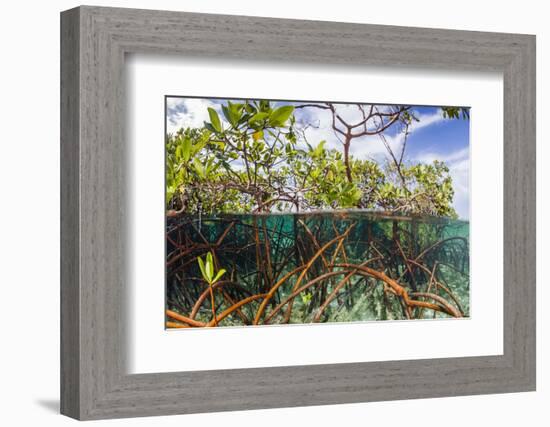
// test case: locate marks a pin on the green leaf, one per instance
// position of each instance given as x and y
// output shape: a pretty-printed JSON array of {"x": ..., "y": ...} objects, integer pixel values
[
  {"x": 215, "y": 119},
  {"x": 177, "y": 153},
  {"x": 306, "y": 299},
  {"x": 186, "y": 149},
  {"x": 220, "y": 274},
  {"x": 279, "y": 116},
  {"x": 235, "y": 111},
  {"x": 209, "y": 266},
  {"x": 199, "y": 168},
  {"x": 219, "y": 144},
  {"x": 258, "y": 117},
  {"x": 227, "y": 115},
  {"x": 318, "y": 151},
  {"x": 198, "y": 147},
  {"x": 209, "y": 127},
  {"x": 232, "y": 113},
  {"x": 202, "y": 268}
]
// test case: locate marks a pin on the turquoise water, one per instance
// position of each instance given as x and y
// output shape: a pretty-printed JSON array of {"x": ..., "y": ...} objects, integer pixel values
[{"x": 425, "y": 256}]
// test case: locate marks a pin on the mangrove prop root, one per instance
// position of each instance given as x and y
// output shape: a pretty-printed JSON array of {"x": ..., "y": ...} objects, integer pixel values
[
  {"x": 239, "y": 311},
  {"x": 448, "y": 308},
  {"x": 333, "y": 295},
  {"x": 176, "y": 325},
  {"x": 400, "y": 291},
  {"x": 231, "y": 309},
  {"x": 184, "y": 319},
  {"x": 273, "y": 290},
  {"x": 298, "y": 291},
  {"x": 440, "y": 285},
  {"x": 205, "y": 295},
  {"x": 269, "y": 266},
  {"x": 338, "y": 288},
  {"x": 397, "y": 290},
  {"x": 310, "y": 263}
]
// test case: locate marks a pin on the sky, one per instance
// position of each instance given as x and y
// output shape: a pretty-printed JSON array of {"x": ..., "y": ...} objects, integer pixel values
[{"x": 433, "y": 137}]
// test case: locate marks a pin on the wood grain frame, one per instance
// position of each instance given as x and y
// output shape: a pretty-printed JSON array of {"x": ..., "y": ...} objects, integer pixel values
[{"x": 94, "y": 42}]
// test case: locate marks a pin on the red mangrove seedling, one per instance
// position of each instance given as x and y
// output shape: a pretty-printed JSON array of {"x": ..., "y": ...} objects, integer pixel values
[{"x": 210, "y": 277}]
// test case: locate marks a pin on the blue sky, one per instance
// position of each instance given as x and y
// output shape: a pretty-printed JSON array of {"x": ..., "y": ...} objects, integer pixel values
[{"x": 433, "y": 137}]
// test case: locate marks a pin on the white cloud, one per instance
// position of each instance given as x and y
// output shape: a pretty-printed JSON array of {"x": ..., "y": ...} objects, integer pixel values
[
  {"x": 319, "y": 127},
  {"x": 187, "y": 112},
  {"x": 459, "y": 167},
  {"x": 375, "y": 148},
  {"x": 369, "y": 146},
  {"x": 453, "y": 156}
]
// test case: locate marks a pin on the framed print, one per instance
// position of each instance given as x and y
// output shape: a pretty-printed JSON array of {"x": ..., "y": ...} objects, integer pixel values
[
  {"x": 292, "y": 205},
  {"x": 345, "y": 212}
]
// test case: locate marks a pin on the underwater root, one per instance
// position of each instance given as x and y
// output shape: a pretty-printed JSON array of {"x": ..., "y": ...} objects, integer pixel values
[
  {"x": 411, "y": 300},
  {"x": 305, "y": 273}
]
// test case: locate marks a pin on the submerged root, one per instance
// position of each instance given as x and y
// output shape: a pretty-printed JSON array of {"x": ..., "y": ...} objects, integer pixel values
[{"x": 279, "y": 276}]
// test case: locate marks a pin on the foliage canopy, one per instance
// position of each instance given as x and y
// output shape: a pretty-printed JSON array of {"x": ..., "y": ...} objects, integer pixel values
[{"x": 258, "y": 160}]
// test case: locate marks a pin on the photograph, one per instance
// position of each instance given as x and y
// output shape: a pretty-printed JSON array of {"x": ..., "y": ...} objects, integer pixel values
[
  {"x": 272, "y": 208},
  {"x": 300, "y": 212}
]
